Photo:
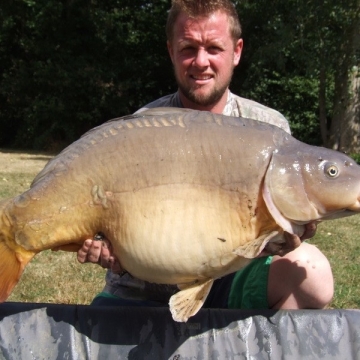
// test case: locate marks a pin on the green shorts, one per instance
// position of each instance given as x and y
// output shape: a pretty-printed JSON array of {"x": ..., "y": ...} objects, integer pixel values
[
  {"x": 249, "y": 286},
  {"x": 245, "y": 289}
]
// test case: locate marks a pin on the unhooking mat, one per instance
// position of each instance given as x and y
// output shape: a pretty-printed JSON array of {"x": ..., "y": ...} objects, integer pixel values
[{"x": 49, "y": 331}]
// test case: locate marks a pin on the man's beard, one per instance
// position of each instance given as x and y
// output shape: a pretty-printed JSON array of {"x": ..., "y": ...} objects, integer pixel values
[{"x": 210, "y": 98}]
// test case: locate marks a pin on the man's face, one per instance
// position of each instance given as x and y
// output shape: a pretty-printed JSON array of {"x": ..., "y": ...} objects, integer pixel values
[{"x": 204, "y": 56}]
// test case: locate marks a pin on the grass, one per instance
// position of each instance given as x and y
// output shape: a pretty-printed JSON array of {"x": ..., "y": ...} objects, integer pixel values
[
  {"x": 339, "y": 241},
  {"x": 57, "y": 277},
  {"x": 51, "y": 277}
]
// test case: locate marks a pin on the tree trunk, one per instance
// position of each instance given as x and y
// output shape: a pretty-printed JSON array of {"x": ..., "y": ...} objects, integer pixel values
[
  {"x": 322, "y": 98},
  {"x": 350, "y": 134},
  {"x": 345, "y": 125}
]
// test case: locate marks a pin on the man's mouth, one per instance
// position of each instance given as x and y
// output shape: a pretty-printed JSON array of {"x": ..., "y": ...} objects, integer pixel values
[{"x": 201, "y": 78}]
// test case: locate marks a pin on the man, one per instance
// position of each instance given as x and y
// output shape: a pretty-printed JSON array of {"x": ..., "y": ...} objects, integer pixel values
[{"x": 204, "y": 44}]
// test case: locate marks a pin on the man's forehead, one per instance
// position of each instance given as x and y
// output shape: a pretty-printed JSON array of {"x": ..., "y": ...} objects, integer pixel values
[{"x": 214, "y": 26}]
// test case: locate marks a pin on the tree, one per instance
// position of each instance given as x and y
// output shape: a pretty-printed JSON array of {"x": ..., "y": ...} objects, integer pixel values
[
  {"x": 280, "y": 62},
  {"x": 344, "y": 132},
  {"x": 71, "y": 65},
  {"x": 299, "y": 58}
]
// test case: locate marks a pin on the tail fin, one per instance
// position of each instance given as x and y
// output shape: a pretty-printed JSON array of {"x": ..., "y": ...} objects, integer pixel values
[
  {"x": 12, "y": 265},
  {"x": 13, "y": 258}
]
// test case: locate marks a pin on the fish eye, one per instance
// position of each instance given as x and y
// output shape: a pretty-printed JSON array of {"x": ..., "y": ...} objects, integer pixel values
[{"x": 331, "y": 170}]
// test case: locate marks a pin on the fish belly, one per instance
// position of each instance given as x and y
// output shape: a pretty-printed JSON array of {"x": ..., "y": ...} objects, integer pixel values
[{"x": 179, "y": 233}]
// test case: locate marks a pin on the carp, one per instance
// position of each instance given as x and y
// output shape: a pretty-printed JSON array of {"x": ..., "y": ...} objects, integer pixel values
[{"x": 184, "y": 197}]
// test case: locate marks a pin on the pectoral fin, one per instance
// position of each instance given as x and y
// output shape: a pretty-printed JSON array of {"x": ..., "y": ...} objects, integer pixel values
[
  {"x": 252, "y": 249},
  {"x": 188, "y": 301},
  {"x": 274, "y": 243}
]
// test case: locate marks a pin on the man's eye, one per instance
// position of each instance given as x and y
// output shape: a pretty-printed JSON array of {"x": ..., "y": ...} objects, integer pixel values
[
  {"x": 187, "y": 48},
  {"x": 214, "y": 49}
]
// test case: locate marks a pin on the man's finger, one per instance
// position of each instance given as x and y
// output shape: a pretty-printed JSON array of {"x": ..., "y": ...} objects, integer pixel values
[
  {"x": 94, "y": 253},
  {"x": 115, "y": 265},
  {"x": 310, "y": 230},
  {"x": 83, "y": 251}
]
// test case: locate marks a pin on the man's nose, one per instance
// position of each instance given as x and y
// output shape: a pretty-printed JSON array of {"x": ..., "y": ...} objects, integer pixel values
[{"x": 201, "y": 59}]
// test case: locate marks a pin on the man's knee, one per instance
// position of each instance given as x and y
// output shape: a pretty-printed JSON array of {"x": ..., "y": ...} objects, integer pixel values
[{"x": 301, "y": 279}]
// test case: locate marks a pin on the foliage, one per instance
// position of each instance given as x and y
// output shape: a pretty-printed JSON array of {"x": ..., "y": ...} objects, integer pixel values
[
  {"x": 356, "y": 157},
  {"x": 75, "y": 64},
  {"x": 288, "y": 48},
  {"x": 69, "y": 65}
]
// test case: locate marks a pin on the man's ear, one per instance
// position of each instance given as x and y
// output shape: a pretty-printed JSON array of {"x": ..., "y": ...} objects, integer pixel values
[
  {"x": 170, "y": 50},
  {"x": 237, "y": 51}
]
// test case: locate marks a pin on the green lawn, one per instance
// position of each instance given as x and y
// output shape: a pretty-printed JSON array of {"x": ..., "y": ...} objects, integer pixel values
[{"x": 340, "y": 242}]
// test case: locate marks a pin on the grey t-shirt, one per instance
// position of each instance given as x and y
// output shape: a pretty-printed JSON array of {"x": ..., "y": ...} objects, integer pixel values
[
  {"x": 235, "y": 106},
  {"x": 128, "y": 287}
]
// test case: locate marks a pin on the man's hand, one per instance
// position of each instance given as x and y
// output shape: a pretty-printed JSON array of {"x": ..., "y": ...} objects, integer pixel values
[
  {"x": 293, "y": 241},
  {"x": 310, "y": 230},
  {"x": 99, "y": 252}
]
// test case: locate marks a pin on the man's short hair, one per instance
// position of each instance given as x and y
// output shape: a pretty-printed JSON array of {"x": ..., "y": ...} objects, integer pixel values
[{"x": 199, "y": 8}]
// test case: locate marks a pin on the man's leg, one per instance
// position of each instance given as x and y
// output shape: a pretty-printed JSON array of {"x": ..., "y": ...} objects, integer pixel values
[{"x": 302, "y": 279}]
